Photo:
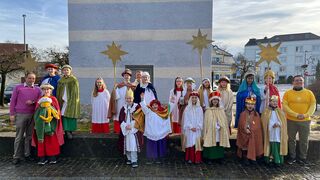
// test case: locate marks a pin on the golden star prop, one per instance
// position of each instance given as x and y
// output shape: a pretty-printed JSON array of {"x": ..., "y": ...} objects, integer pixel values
[
  {"x": 200, "y": 41},
  {"x": 114, "y": 53},
  {"x": 269, "y": 53},
  {"x": 29, "y": 63}
]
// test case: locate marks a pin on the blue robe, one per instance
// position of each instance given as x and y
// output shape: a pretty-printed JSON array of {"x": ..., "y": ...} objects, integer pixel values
[
  {"x": 53, "y": 80},
  {"x": 244, "y": 92}
]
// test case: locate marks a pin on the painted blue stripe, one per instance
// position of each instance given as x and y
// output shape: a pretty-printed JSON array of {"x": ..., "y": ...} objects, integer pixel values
[
  {"x": 135, "y": 16},
  {"x": 158, "y": 53}
]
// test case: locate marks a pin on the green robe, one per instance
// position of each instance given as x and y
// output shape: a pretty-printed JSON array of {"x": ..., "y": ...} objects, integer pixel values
[
  {"x": 73, "y": 95},
  {"x": 42, "y": 128}
]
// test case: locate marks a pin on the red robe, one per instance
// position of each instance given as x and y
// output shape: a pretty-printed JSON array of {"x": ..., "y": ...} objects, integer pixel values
[{"x": 56, "y": 138}]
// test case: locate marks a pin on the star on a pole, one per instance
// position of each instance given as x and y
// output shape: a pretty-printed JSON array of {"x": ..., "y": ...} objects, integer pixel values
[
  {"x": 29, "y": 63},
  {"x": 200, "y": 41},
  {"x": 269, "y": 53},
  {"x": 114, "y": 52}
]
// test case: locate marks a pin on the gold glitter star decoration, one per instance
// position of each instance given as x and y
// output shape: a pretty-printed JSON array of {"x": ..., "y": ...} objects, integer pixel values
[
  {"x": 29, "y": 63},
  {"x": 114, "y": 53},
  {"x": 200, "y": 41},
  {"x": 269, "y": 53}
]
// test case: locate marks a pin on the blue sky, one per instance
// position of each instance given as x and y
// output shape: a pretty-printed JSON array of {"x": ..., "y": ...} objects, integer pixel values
[
  {"x": 46, "y": 22},
  {"x": 235, "y": 21}
]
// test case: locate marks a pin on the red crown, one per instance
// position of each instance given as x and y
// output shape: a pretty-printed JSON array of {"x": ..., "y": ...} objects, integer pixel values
[
  {"x": 194, "y": 93},
  {"x": 215, "y": 94}
]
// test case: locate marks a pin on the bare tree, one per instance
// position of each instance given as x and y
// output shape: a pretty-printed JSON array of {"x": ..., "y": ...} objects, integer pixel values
[
  {"x": 9, "y": 63},
  {"x": 57, "y": 56},
  {"x": 242, "y": 65}
]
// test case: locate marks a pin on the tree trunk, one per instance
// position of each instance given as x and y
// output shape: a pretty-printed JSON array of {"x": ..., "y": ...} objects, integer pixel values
[{"x": 3, "y": 85}]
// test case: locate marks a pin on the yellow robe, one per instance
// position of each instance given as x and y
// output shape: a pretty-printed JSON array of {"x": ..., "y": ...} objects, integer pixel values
[
  {"x": 265, "y": 118},
  {"x": 211, "y": 116}
]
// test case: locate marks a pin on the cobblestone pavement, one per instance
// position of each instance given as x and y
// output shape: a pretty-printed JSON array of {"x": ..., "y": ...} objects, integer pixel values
[{"x": 93, "y": 168}]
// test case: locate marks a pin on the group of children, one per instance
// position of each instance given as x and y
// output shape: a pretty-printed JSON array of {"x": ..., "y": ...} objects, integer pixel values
[{"x": 201, "y": 116}]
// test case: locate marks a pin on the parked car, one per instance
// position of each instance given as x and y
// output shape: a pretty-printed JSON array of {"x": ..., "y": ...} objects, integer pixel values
[{"x": 8, "y": 92}]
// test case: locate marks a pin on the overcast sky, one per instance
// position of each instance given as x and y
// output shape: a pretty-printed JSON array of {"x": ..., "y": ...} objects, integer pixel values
[{"x": 235, "y": 21}]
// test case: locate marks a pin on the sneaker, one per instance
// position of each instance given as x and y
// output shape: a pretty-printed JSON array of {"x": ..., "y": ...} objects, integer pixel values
[
  {"x": 134, "y": 164},
  {"x": 189, "y": 162},
  {"x": 29, "y": 158},
  {"x": 128, "y": 162},
  {"x": 16, "y": 161},
  {"x": 53, "y": 160},
  {"x": 291, "y": 161},
  {"x": 69, "y": 135},
  {"x": 303, "y": 162},
  {"x": 42, "y": 161}
]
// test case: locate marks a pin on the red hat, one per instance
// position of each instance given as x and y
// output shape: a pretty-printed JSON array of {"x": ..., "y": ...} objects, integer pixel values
[
  {"x": 215, "y": 95},
  {"x": 156, "y": 101},
  {"x": 194, "y": 93},
  {"x": 51, "y": 66}
]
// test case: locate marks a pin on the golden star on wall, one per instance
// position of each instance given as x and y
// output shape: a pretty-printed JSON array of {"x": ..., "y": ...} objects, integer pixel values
[
  {"x": 114, "y": 52},
  {"x": 200, "y": 41},
  {"x": 269, "y": 53},
  {"x": 29, "y": 63}
]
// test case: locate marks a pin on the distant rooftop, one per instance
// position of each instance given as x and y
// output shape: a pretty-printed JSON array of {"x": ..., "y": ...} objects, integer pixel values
[
  {"x": 220, "y": 51},
  {"x": 284, "y": 38},
  {"x": 7, "y": 48}
]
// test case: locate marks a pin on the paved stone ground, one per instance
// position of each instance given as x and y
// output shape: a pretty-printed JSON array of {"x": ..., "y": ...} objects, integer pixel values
[{"x": 87, "y": 168}]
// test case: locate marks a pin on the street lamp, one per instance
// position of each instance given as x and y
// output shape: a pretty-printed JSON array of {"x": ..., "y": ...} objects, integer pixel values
[{"x": 24, "y": 33}]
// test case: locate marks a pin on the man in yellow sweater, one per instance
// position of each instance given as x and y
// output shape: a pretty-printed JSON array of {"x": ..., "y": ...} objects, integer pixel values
[{"x": 299, "y": 104}]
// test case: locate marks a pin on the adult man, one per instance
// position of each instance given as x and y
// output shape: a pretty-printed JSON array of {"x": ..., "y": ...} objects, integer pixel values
[
  {"x": 52, "y": 77},
  {"x": 299, "y": 104},
  {"x": 22, "y": 107},
  {"x": 118, "y": 100},
  {"x": 68, "y": 96},
  {"x": 138, "y": 78}
]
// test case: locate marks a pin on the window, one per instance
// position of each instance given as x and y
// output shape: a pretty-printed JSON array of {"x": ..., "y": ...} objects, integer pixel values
[
  {"x": 148, "y": 68},
  {"x": 315, "y": 47},
  {"x": 282, "y": 69},
  {"x": 258, "y": 55},
  {"x": 283, "y": 49},
  {"x": 299, "y": 48},
  {"x": 217, "y": 60},
  {"x": 217, "y": 76}
]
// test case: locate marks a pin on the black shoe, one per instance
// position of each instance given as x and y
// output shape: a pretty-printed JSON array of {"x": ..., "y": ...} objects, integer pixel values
[
  {"x": 291, "y": 161},
  {"x": 53, "y": 160},
  {"x": 189, "y": 162},
  {"x": 29, "y": 158},
  {"x": 16, "y": 161},
  {"x": 69, "y": 135},
  {"x": 303, "y": 162},
  {"x": 245, "y": 162},
  {"x": 254, "y": 163},
  {"x": 134, "y": 165},
  {"x": 42, "y": 161}
]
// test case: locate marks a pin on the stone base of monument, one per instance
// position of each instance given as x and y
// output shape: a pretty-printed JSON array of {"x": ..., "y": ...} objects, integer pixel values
[{"x": 106, "y": 146}]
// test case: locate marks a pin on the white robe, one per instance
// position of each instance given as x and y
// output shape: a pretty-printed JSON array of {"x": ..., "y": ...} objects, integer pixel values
[
  {"x": 156, "y": 128},
  {"x": 121, "y": 100},
  {"x": 274, "y": 133},
  {"x": 65, "y": 101},
  {"x": 100, "y": 106},
  {"x": 175, "y": 111},
  {"x": 193, "y": 118},
  {"x": 205, "y": 98},
  {"x": 129, "y": 135}
]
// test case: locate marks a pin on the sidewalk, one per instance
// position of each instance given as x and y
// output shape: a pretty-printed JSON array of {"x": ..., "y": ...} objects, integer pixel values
[{"x": 93, "y": 168}]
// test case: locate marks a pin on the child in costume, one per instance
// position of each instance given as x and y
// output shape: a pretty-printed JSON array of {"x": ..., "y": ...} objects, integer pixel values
[
  {"x": 154, "y": 121},
  {"x": 249, "y": 137},
  {"x": 216, "y": 130},
  {"x": 274, "y": 125},
  {"x": 100, "y": 104},
  {"x": 192, "y": 127},
  {"x": 176, "y": 93},
  {"x": 130, "y": 139},
  {"x": 48, "y": 135}
]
